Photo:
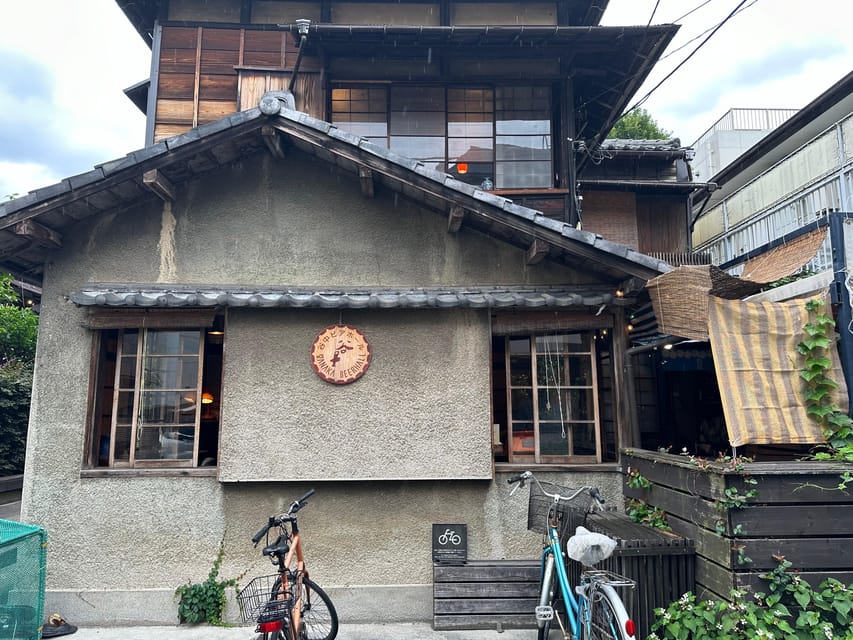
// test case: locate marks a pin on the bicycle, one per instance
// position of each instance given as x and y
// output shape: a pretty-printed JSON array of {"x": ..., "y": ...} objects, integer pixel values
[
  {"x": 593, "y": 610},
  {"x": 287, "y": 605}
]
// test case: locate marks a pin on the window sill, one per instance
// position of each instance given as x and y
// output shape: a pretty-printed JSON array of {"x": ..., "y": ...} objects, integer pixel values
[
  {"x": 193, "y": 472},
  {"x": 530, "y": 192},
  {"x": 603, "y": 467}
]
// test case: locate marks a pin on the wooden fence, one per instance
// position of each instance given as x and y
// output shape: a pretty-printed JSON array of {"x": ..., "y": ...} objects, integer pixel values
[{"x": 797, "y": 512}]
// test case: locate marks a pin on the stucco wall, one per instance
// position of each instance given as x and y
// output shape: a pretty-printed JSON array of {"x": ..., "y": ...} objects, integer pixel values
[
  {"x": 422, "y": 410},
  {"x": 119, "y": 546}
]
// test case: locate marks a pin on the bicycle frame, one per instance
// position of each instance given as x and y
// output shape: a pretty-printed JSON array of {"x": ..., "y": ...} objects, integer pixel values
[
  {"x": 553, "y": 554},
  {"x": 286, "y": 574},
  {"x": 291, "y": 575}
]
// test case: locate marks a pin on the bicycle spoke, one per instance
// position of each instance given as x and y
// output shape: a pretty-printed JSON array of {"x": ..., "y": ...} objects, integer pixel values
[{"x": 604, "y": 623}]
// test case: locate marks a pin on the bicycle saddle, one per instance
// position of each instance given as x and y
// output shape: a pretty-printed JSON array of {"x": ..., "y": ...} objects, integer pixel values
[{"x": 279, "y": 547}]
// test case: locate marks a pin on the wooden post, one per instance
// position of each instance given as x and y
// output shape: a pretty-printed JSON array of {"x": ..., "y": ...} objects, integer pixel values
[
  {"x": 841, "y": 239},
  {"x": 627, "y": 431}
]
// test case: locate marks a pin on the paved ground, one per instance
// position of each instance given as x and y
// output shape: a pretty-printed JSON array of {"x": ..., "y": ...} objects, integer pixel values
[
  {"x": 10, "y": 511},
  {"x": 416, "y": 631}
]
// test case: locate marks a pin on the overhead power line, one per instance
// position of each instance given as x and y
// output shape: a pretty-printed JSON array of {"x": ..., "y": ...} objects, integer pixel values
[
  {"x": 695, "y": 38},
  {"x": 654, "y": 11},
  {"x": 642, "y": 100},
  {"x": 739, "y": 8}
]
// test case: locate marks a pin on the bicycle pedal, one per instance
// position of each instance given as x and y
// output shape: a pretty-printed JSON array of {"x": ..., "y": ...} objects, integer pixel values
[{"x": 544, "y": 613}]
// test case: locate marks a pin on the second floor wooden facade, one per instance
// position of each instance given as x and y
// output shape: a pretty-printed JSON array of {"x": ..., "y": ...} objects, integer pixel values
[{"x": 501, "y": 95}]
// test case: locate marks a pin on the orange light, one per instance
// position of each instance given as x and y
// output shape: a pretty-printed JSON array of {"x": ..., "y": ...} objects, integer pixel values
[
  {"x": 462, "y": 167},
  {"x": 206, "y": 398}
]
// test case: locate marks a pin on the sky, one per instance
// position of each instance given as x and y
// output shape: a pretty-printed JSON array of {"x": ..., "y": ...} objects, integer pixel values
[{"x": 65, "y": 63}]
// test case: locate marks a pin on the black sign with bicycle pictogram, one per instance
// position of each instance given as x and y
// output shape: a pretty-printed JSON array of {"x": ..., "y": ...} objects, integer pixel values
[{"x": 450, "y": 543}]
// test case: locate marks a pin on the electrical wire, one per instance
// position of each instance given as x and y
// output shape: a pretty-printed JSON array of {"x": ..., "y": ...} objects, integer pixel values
[
  {"x": 740, "y": 7},
  {"x": 693, "y": 10},
  {"x": 734, "y": 12},
  {"x": 695, "y": 38},
  {"x": 654, "y": 11}
]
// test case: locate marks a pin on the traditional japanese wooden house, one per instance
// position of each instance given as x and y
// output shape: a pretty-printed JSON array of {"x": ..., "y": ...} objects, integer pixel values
[{"x": 347, "y": 258}]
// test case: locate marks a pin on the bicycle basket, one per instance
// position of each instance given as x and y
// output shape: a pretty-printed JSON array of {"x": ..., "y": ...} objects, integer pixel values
[
  {"x": 262, "y": 601},
  {"x": 570, "y": 514}
]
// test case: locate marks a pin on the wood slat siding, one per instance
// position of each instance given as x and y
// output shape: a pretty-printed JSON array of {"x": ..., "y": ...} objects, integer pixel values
[
  {"x": 483, "y": 594},
  {"x": 206, "y": 73},
  {"x": 798, "y": 513}
]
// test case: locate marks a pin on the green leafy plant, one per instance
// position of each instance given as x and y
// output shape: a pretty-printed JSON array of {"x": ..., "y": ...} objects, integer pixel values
[
  {"x": 18, "y": 331},
  {"x": 636, "y": 480},
  {"x": 642, "y": 512},
  {"x": 820, "y": 387},
  {"x": 639, "y": 510},
  {"x": 790, "y": 610},
  {"x": 205, "y": 601}
]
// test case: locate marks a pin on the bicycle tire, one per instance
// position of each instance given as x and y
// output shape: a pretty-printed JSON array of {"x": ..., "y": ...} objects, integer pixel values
[
  {"x": 278, "y": 635},
  {"x": 607, "y": 615},
  {"x": 319, "y": 617}
]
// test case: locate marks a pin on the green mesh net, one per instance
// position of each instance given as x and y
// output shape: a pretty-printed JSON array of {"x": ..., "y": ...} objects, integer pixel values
[{"x": 22, "y": 574}]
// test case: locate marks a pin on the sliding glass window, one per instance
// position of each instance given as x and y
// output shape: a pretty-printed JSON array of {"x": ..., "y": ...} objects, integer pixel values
[{"x": 495, "y": 138}]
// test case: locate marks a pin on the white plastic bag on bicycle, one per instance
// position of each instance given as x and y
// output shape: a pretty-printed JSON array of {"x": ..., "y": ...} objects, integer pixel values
[{"x": 589, "y": 548}]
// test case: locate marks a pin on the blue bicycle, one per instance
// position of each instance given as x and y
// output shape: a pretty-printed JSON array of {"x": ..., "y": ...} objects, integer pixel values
[{"x": 592, "y": 610}]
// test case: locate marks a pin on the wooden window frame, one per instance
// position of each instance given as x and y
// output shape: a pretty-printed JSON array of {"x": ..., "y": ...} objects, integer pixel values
[
  {"x": 103, "y": 401},
  {"x": 494, "y": 88},
  {"x": 139, "y": 388},
  {"x": 535, "y": 386}
]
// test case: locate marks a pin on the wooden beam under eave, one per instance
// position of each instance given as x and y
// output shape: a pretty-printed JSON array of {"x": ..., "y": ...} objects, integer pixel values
[
  {"x": 273, "y": 142},
  {"x": 160, "y": 185},
  {"x": 365, "y": 175},
  {"x": 455, "y": 218},
  {"x": 537, "y": 251},
  {"x": 38, "y": 233}
]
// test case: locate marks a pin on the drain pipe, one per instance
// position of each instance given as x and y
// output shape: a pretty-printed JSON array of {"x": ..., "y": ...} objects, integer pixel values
[{"x": 302, "y": 26}]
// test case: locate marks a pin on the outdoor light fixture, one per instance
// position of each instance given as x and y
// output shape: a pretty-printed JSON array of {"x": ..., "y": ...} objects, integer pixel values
[
  {"x": 302, "y": 25},
  {"x": 630, "y": 327},
  {"x": 620, "y": 293},
  {"x": 462, "y": 167}
]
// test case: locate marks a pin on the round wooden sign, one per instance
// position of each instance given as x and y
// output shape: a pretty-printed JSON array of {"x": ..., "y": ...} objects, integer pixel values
[{"x": 340, "y": 354}]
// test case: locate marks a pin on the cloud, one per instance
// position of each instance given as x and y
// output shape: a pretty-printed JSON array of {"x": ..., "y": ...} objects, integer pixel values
[
  {"x": 37, "y": 140},
  {"x": 775, "y": 65}
]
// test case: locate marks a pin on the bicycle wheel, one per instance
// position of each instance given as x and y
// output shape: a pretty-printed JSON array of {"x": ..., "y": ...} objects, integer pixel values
[
  {"x": 608, "y": 618},
  {"x": 278, "y": 635},
  {"x": 319, "y": 618}
]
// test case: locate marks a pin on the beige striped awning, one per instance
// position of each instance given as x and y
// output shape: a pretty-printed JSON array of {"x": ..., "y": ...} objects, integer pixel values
[{"x": 758, "y": 364}]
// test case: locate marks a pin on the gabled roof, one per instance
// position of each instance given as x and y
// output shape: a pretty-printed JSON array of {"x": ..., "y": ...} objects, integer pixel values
[{"x": 31, "y": 226}]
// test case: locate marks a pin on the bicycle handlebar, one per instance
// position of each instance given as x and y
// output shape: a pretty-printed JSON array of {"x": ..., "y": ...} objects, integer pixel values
[
  {"x": 276, "y": 521},
  {"x": 260, "y": 534},
  {"x": 298, "y": 504},
  {"x": 528, "y": 475}
]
